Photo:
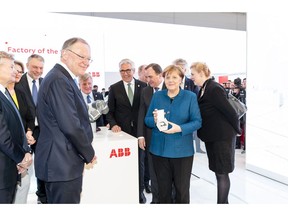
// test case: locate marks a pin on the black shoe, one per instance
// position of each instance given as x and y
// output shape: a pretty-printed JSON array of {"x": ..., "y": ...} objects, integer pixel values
[
  {"x": 41, "y": 200},
  {"x": 98, "y": 129},
  {"x": 142, "y": 198},
  {"x": 148, "y": 189}
]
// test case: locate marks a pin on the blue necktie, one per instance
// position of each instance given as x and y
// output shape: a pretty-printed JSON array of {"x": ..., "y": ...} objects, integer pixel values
[
  {"x": 34, "y": 92},
  {"x": 88, "y": 99}
]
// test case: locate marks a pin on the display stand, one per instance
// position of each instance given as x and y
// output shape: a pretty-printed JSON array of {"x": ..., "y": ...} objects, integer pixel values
[{"x": 114, "y": 179}]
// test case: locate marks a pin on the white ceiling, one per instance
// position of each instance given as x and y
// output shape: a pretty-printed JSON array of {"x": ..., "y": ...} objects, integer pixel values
[{"x": 223, "y": 20}]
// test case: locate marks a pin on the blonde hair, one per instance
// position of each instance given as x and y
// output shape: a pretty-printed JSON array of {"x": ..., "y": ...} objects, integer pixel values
[
  {"x": 201, "y": 66},
  {"x": 173, "y": 68}
]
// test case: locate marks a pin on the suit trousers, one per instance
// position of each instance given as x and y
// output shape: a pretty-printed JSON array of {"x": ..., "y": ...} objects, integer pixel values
[
  {"x": 141, "y": 156},
  {"x": 173, "y": 170},
  {"x": 7, "y": 195},
  {"x": 154, "y": 183},
  {"x": 64, "y": 192}
]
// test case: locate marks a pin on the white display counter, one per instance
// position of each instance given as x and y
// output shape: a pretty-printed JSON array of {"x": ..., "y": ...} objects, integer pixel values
[{"x": 114, "y": 179}]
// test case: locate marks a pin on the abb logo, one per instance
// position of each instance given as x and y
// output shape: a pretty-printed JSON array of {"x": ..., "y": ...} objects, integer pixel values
[{"x": 120, "y": 152}]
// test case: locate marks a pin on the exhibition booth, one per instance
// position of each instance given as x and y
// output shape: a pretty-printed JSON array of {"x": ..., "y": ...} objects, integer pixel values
[{"x": 114, "y": 178}]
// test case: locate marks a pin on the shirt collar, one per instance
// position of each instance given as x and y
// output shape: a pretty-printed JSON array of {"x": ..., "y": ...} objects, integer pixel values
[
  {"x": 132, "y": 82},
  {"x": 2, "y": 89},
  {"x": 65, "y": 66}
]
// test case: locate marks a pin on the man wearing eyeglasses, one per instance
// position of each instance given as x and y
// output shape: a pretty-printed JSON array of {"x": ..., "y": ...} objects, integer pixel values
[
  {"x": 123, "y": 103},
  {"x": 65, "y": 141}
]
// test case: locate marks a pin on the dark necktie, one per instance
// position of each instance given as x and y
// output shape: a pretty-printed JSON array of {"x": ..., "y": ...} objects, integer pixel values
[
  {"x": 14, "y": 106},
  {"x": 34, "y": 92},
  {"x": 130, "y": 93},
  {"x": 156, "y": 89},
  {"x": 25, "y": 144},
  {"x": 88, "y": 99}
]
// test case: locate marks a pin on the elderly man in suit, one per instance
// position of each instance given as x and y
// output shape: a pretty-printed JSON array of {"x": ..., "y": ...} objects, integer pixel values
[
  {"x": 123, "y": 103},
  {"x": 15, "y": 155},
  {"x": 154, "y": 77},
  {"x": 64, "y": 144},
  {"x": 85, "y": 83}
]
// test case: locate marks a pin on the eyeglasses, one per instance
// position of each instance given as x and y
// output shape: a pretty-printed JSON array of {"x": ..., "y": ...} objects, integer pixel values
[
  {"x": 20, "y": 71},
  {"x": 127, "y": 71},
  {"x": 81, "y": 57}
]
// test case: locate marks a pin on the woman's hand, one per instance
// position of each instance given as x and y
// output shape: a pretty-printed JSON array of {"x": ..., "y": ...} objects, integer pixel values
[
  {"x": 174, "y": 129},
  {"x": 155, "y": 115}
]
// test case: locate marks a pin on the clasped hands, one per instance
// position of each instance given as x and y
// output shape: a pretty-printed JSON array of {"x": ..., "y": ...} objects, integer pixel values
[{"x": 25, "y": 163}]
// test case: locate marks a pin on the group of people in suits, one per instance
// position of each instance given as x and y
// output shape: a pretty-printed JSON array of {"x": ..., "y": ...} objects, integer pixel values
[
  {"x": 64, "y": 143},
  {"x": 171, "y": 151}
]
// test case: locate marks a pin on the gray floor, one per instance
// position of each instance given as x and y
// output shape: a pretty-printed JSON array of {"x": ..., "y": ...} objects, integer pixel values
[{"x": 246, "y": 187}]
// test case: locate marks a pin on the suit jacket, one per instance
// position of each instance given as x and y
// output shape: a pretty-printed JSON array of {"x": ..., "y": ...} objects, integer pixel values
[
  {"x": 142, "y": 129},
  {"x": 26, "y": 110},
  {"x": 183, "y": 111},
  {"x": 189, "y": 85},
  {"x": 64, "y": 143},
  {"x": 120, "y": 110},
  {"x": 22, "y": 89},
  {"x": 12, "y": 143},
  {"x": 219, "y": 119},
  {"x": 97, "y": 95}
]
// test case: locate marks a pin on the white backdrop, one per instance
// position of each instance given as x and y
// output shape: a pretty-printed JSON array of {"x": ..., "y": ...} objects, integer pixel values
[{"x": 112, "y": 40}]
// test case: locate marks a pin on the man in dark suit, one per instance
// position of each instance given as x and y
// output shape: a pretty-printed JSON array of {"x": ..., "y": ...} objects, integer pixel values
[
  {"x": 64, "y": 144},
  {"x": 15, "y": 155},
  {"x": 123, "y": 103},
  {"x": 104, "y": 93},
  {"x": 28, "y": 87},
  {"x": 153, "y": 75}
]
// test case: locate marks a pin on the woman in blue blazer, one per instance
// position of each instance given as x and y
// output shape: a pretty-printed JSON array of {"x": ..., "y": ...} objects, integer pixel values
[
  {"x": 172, "y": 150},
  {"x": 219, "y": 127}
]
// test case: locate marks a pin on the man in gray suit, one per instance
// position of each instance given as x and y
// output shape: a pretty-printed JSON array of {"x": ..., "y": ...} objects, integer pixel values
[{"x": 64, "y": 144}]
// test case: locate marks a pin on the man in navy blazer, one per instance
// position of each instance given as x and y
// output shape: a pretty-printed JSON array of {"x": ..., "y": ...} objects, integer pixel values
[
  {"x": 35, "y": 67},
  {"x": 15, "y": 155},
  {"x": 64, "y": 144}
]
